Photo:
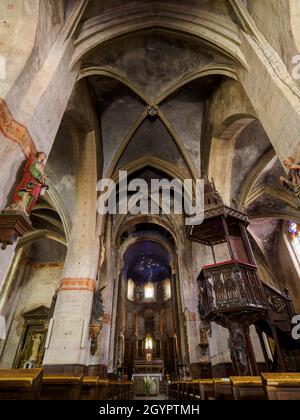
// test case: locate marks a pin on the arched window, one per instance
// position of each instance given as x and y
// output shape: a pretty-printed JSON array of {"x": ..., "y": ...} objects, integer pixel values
[
  {"x": 149, "y": 343},
  {"x": 294, "y": 230},
  {"x": 130, "y": 291},
  {"x": 149, "y": 290},
  {"x": 167, "y": 289}
]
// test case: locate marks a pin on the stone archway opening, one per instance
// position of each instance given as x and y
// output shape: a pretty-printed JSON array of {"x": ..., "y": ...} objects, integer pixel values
[{"x": 148, "y": 341}]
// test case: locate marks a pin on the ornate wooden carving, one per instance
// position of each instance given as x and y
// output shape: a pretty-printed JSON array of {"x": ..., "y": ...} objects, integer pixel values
[
  {"x": 232, "y": 293},
  {"x": 232, "y": 287},
  {"x": 12, "y": 227}
]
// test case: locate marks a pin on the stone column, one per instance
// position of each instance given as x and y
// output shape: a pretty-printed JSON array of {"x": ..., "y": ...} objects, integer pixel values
[
  {"x": 68, "y": 346},
  {"x": 273, "y": 94},
  {"x": 33, "y": 99}
]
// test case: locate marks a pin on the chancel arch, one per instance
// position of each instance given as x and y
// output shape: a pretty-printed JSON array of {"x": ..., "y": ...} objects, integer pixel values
[{"x": 149, "y": 261}]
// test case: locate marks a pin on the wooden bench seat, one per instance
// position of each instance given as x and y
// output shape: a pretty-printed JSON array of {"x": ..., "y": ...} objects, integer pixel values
[
  {"x": 90, "y": 388},
  {"x": 248, "y": 388},
  {"x": 282, "y": 386},
  {"x": 173, "y": 390},
  {"x": 103, "y": 391},
  {"x": 207, "y": 389},
  {"x": 223, "y": 389},
  {"x": 61, "y": 387},
  {"x": 114, "y": 390},
  {"x": 20, "y": 384}
]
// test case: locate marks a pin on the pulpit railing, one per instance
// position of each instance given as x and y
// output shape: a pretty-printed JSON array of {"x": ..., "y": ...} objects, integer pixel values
[{"x": 230, "y": 286}]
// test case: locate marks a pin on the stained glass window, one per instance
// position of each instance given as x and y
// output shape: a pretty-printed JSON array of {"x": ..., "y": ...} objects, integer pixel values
[
  {"x": 130, "y": 294},
  {"x": 149, "y": 291},
  {"x": 149, "y": 343},
  {"x": 167, "y": 289},
  {"x": 294, "y": 230}
]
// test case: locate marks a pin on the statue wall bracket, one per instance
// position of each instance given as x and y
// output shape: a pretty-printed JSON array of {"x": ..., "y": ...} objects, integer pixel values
[{"x": 14, "y": 220}]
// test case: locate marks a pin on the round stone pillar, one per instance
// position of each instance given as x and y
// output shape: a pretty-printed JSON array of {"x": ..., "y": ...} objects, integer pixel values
[{"x": 68, "y": 343}]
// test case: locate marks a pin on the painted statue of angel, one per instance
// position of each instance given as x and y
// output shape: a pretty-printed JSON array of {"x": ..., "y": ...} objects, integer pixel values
[{"x": 33, "y": 185}]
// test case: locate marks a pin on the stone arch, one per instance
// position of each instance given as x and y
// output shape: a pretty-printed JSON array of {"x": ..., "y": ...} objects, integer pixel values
[
  {"x": 135, "y": 166},
  {"x": 122, "y": 249},
  {"x": 138, "y": 122},
  {"x": 139, "y": 17},
  {"x": 222, "y": 152}
]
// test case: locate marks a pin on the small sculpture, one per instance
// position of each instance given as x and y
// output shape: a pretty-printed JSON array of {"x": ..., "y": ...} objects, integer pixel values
[
  {"x": 14, "y": 220},
  {"x": 121, "y": 350},
  {"x": 238, "y": 349},
  {"x": 102, "y": 252},
  {"x": 204, "y": 344},
  {"x": 96, "y": 320},
  {"x": 98, "y": 306},
  {"x": 33, "y": 185},
  {"x": 37, "y": 341},
  {"x": 152, "y": 112},
  {"x": 292, "y": 183}
]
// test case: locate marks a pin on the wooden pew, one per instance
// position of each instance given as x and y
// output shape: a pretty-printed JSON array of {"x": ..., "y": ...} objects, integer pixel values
[
  {"x": 247, "y": 388},
  {"x": 103, "y": 390},
  {"x": 90, "y": 388},
  {"x": 19, "y": 384},
  {"x": 61, "y": 387},
  {"x": 177, "y": 391},
  {"x": 128, "y": 394},
  {"x": 189, "y": 390},
  {"x": 193, "y": 390},
  {"x": 170, "y": 389},
  {"x": 181, "y": 390},
  {"x": 114, "y": 390},
  {"x": 173, "y": 390},
  {"x": 223, "y": 390},
  {"x": 196, "y": 390},
  {"x": 207, "y": 389},
  {"x": 282, "y": 386}
]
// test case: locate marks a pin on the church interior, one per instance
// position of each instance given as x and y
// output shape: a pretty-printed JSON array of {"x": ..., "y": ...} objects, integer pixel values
[{"x": 127, "y": 305}]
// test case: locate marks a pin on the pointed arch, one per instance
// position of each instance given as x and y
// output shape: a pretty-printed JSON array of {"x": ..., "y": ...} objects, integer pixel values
[
  {"x": 115, "y": 75},
  {"x": 215, "y": 31},
  {"x": 215, "y": 70}
]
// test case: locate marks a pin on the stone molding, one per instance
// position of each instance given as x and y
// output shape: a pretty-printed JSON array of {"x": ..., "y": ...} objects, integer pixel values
[
  {"x": 212, "y": 28},
  {"x": 78, "y": 285},
  {"x": 37, "y": 266}
]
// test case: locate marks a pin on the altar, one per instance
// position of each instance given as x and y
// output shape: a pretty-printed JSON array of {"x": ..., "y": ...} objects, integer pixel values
[{"x": 147, "y": 384}]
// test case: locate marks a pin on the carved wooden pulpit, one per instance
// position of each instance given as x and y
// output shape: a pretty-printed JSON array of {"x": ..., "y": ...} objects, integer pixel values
[{"x": 231, "y": 292}]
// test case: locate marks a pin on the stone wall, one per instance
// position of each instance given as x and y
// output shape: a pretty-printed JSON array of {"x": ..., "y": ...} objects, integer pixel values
[{"x": 288, "y": 267}]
